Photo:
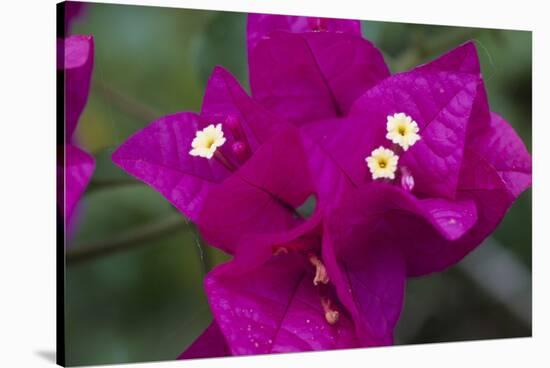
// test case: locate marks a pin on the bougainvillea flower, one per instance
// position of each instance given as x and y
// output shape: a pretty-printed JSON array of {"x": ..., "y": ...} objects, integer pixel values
[
  {"x": 76, "y": 63},
  {"x": 457, "y": 177},
  {"x": 410, "y": 173},
  {"x": 246, "y": 205},
  {"x": 451, "y": 188}
]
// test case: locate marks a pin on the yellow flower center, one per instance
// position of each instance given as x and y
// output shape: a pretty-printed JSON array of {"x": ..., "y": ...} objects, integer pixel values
[
  {"x": 209, "y": 142},
  {"x": 331, "y": 313},
  {"x": 206, "y": 141},
  {"x": 402, "y": 130},
  {"x": 321, "y": 275}
]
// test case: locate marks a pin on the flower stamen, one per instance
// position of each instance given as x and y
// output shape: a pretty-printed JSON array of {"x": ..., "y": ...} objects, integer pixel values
[
  {"x": 280, "y": 250},
  {"x": 331, "y": 313},
  {"x": 402, "y": 130},
  {"x": 321, "y": 275}
]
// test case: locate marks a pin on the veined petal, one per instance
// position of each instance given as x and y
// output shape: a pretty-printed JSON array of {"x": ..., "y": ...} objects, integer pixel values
[
  {"x": 225, "y": 97},
  {"x": 331, "y": 181},
  {"x": 261, "y": 197},
  {"x": 440, "y": 103},
  {"x": 374, "y": 203},
  {"x": 274, "y": 309},
  {"x": 424, "y": 230},
  {"x": 489, "y": 135},
  {"x": 462, "y": 59},
  {"x": 480, "y": 183},
  {"x": 77, "y": 60},
  {"x": 371, "y": 241},
  {"x": 504, "y": 150},
  {"x": 159, "y": 156},
  {"x": 452, "y": 219},
  {"x": 311, "y": 76},
  {"x": 370, "y": 283}
]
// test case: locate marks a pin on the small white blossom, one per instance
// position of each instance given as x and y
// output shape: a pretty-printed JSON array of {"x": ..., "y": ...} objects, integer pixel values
[
  {"x": 382, "y": 163},
  {"x": 402, "y": 130},
  {"x": 207, "y": 141}
]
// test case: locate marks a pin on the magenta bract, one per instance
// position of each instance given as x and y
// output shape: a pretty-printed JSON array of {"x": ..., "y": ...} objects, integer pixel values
[
  {"x": 76, "y": 61},
  {"x": 309, "y": 76},
  {"x": 159, "y": 153},
  {"x": 466, "y": 173},
  {"x": 210, "y": 344}
]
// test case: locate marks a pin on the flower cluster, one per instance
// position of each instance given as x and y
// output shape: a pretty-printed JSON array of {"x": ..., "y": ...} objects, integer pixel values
[{"x": 409, "y": 173}]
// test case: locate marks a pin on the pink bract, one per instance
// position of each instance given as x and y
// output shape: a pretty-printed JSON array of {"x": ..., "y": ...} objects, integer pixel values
[{"x": 76, "y": 60}]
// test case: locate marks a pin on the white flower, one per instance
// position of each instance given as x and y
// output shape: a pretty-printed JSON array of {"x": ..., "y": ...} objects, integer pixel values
[
  {"x": 382, "y": 163},
  {"x": 207, "y": 141},
  {"x": 402, "y": 130}
]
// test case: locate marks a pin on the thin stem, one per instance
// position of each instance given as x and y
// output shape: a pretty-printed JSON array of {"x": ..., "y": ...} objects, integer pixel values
[
  {"x": 125, "y": 241},
  {"x": 126, "y": 103}
]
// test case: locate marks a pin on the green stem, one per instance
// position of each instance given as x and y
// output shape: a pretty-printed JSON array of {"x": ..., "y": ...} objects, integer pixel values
[{"x": 127, "y": 240}]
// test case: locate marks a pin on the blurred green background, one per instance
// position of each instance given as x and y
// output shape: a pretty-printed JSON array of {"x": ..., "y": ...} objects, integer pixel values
[{"x": 145, "y": 300}]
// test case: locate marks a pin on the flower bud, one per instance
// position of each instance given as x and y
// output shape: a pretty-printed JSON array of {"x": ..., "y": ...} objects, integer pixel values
[
  {"x": 234, "y": 125},
  {"x": 240, "y": 149},
  {"x": 407, "y": 180}
]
